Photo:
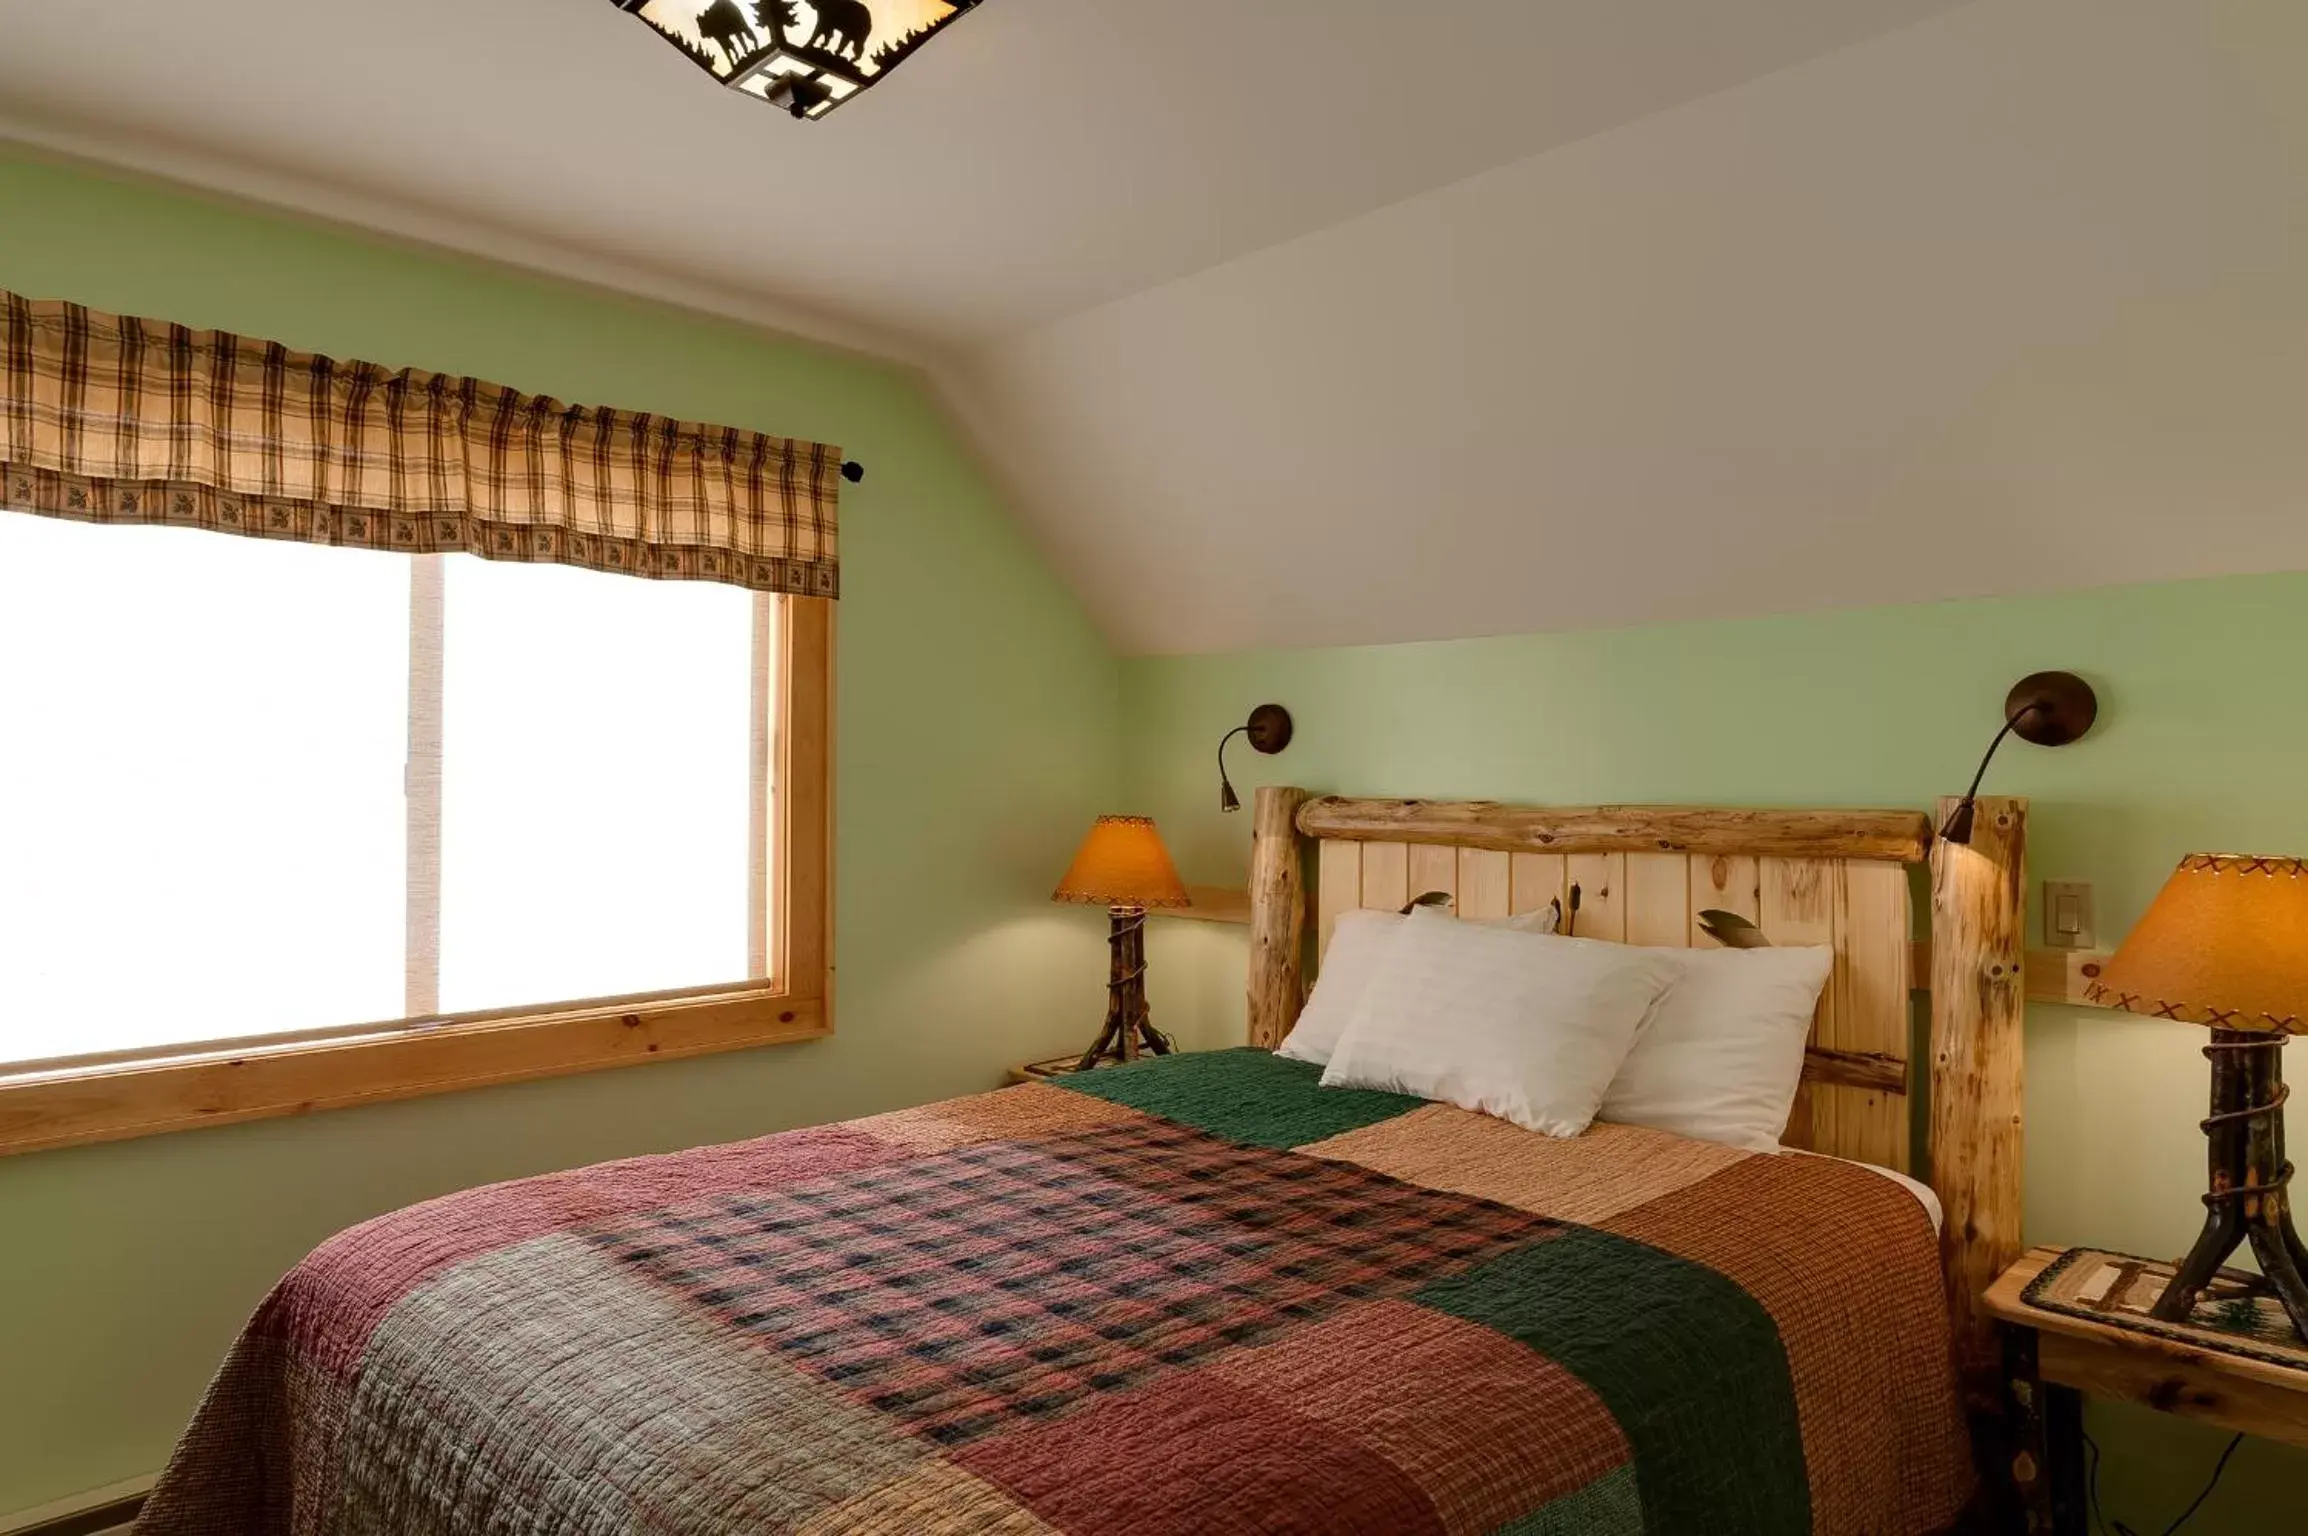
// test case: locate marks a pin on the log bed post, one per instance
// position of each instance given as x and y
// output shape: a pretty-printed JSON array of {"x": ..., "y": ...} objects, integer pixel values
[
  {"x": 1978, "y": 1008},
  {"x": 1277, "y": 915}
]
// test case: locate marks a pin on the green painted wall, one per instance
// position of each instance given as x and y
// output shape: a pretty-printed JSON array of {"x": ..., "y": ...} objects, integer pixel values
[
  {"x": 2200, "y": 746},
  {"x": 981, "y": 719},
  {"x": 977, "y": 737}
]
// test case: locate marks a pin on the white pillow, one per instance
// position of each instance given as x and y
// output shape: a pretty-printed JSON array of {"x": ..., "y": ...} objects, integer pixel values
[
  {"x": 1720, "y": 1056},
  {"x": 1347, "y": 966},
  {"x": 1527, "y": 1027},
  {"x": 1356, "y": 941}
]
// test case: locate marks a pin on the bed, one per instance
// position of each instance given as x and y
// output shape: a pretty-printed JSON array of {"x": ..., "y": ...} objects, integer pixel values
[{"x": 1201, "y": 1293}]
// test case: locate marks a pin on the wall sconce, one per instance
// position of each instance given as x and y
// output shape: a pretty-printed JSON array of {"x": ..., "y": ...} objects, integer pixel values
[
  {"x": 1269, "y": 731},
  {"x": 2049, "y": 709}
]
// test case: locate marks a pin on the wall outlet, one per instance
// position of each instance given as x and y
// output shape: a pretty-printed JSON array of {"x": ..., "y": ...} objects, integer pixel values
[{"x": 2068, "y": 915}]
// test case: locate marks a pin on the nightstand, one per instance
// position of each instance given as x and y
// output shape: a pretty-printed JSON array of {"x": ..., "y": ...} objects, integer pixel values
[{"x": 2053, "y": 1357}]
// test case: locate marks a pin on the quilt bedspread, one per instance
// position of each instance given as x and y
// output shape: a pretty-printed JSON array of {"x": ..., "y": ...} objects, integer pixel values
[{"x": 1198, "y": 1294}]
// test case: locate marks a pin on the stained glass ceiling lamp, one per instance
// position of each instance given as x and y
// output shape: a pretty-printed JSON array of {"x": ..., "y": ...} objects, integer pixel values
[{"x": 806, "y": 57}]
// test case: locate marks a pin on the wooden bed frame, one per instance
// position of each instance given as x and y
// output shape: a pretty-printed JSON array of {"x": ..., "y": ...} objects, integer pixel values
[{"x": 1839, "y": 878}]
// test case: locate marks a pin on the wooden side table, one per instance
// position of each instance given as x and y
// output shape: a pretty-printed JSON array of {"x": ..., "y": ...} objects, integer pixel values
[{"x": 2051, "y": 1359}]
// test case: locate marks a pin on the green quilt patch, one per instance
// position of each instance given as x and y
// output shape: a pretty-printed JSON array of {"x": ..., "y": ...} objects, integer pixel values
[
  {"x": 1689, "y": 1364},
  {"x": 1245, "y": 1095}
]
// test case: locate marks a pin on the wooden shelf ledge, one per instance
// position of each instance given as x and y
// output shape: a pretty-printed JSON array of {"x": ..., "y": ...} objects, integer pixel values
[
  {"x": 2053, "y": 975},
  {"x": 1212, "y": 904}
]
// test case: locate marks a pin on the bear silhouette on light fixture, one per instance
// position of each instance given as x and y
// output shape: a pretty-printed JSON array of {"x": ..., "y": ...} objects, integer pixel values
[{"x": 843, "y": 27}]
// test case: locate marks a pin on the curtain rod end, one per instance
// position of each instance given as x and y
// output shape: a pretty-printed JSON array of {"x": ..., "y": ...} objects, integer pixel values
[{"x": 852, "y": 471}]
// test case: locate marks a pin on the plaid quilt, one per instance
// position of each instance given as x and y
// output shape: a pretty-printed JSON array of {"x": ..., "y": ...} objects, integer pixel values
[{"x": 1198, "y": 1294}]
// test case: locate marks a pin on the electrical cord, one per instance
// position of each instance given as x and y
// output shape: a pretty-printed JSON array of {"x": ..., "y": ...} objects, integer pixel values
[{"x": 2092, "y": 1489}]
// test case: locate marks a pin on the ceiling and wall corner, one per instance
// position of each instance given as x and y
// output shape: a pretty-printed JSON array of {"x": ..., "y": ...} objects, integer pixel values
[
  {"x": 1297, "y": 324},
  {"x": 423, "y": 229}
]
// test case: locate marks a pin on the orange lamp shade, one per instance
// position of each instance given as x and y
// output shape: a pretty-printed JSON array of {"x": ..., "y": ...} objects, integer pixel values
[
  {"x": 2225, "y": 944},
  {"x": 1122, "y": 863}
]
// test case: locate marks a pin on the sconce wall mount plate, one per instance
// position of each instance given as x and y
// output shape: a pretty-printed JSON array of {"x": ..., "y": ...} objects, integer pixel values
[
  {"x": 1269, "y": 728},
  {"x": 2051, "y": 709}
]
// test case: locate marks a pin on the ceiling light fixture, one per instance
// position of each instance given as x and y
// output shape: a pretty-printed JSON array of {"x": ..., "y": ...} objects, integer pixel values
[{"x": 807, "y": 56}]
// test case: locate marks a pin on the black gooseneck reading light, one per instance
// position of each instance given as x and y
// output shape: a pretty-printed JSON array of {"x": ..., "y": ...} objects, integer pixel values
[
  {"x": 1269, "y": 731},
  {"x": 2049, "y": 709}
]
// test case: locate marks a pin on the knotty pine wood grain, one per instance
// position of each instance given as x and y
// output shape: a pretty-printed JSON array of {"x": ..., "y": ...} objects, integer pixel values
[
  {"x": 1537, "y": 879},
  {"x": 1339, "y": 887},
  {"x": 1431, "y": 868},
  {"x": 1859, "y": 1067},
  {"x": 38, "y": 1112},
  {"x": 1601, "y": 881},
  {"x": 1855, "y": 898},
  {"x": 1801, "y": 902},
  {"x": 1658, "y": 899},
  {"x": 2257, "y": 1397},
  {"x": 1486, "y": 884},
  {"x": 1277, "y": 987},
  {"x": 1871, "y": 1016},
  {"x": 1385, "y": 876},
  {"x": 1979, "y": 926},
  {"x": 1723, "y": 882},
  {"x": 1900, "y": 836}
]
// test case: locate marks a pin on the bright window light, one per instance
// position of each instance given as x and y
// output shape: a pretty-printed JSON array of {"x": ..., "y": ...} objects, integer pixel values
[{"x": 211, "y": 826}]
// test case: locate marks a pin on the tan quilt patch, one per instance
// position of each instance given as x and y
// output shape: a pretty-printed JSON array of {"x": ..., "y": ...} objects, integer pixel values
[
  {"x": 1009, "y": 1114},
  {"x": 1586, "y": 1179}
]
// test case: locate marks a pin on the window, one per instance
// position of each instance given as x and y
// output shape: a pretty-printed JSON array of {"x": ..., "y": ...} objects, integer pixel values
[{"x": 285, "y": 826}]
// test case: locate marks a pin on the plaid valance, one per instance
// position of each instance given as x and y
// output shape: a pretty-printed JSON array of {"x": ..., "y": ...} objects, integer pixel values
[{"x": 107, "y": 419}]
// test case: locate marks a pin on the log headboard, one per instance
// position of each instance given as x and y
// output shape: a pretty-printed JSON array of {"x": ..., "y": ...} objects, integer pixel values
[{"x": 1838, "y": 878}]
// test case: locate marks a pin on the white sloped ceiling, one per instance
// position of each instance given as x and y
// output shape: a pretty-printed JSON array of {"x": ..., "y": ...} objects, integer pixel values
[
  {"x": 1297, "y": 323},
  {"x": 2014, "y": 300}
]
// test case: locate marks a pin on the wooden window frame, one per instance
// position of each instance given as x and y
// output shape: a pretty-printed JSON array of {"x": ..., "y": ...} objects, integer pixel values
[{"x": 175, "y": 1088}]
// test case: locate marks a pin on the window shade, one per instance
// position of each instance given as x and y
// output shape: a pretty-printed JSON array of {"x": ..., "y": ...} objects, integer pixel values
[
  {"x": 463, "y": 787},
  {"x": 109, "y": 419},
  {"x": 192, "y": 847}
]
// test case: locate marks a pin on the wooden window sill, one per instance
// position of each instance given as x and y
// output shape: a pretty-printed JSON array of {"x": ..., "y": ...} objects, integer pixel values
[{"x": 254, "y": 1080}]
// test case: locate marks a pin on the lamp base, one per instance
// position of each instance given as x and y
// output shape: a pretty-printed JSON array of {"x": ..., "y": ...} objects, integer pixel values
[
  {"x": 1129, "y": 1031},
  {"x": 2247, "y": 1202}
]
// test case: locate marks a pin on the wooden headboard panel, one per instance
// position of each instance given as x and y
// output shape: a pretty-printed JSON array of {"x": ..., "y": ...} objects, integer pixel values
[
  {"x": 1838, "y": 878},
  {"x": 1854, "y": 1101}
]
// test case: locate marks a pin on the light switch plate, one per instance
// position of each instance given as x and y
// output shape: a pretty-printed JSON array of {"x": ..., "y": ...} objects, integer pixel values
[{"x": 2068, "y": 915}]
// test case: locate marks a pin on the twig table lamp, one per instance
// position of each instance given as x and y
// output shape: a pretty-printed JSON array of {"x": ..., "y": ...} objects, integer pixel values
[
  {"x": 1123, "y": 867},
  {"x": 2226, "y": 945}
]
